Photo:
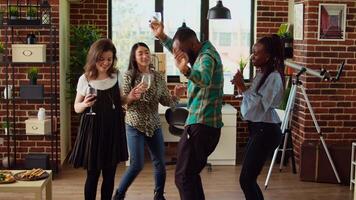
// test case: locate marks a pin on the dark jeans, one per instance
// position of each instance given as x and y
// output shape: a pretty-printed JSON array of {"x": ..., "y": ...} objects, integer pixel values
[
  {"x": 263, "y": 139},
  {"x": 107, "y": 185},
  {"x": 196, "y": 144},
  {"x": 136, "y": 141}
]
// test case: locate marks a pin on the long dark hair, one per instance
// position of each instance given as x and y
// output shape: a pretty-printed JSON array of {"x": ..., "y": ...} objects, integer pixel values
[
  {"x": 133, "y": 67},
  {"x": 95, "y": 51},
  {"x": 273, "y": 46}
]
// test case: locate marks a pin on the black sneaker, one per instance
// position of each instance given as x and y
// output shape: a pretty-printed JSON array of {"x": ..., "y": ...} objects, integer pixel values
[
  {"x": 118, "y": 197},
  {"x": 158, "y": 196}
]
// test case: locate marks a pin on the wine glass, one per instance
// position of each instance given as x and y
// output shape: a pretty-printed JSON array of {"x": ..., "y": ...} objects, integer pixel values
[
  {"x": 242, "y": 65},
  {"x": 146, "y": 82},
  {"x": 93, "y": 92},
  {"x": 156, "y": 17}
]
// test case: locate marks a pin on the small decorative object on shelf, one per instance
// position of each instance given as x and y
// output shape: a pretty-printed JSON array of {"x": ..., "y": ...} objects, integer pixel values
[
  {"x": 41, "y": 115},
  {"x": 31, "y": 13},
  {"x": 13, "y": 12},
  {"x": 23, "y": 13},
  {"x": 46, "y": 12},
  {"x": 1, "y": 16},
  {"x": 6, "y": 126},
  {"x": 287, "y": 38},
  {"x": 32, "y": 74},
  {"x": 28, "y": 53},
  {"x": 5, "y": 161},
  {"x": 2, "y": 51},
  {"x": 8, "y": 92},
  {"x": 31, "y": 38},
  {"x": 32, "y": 91}
]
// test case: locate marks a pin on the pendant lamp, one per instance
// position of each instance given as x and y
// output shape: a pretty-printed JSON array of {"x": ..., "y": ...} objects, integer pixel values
[{"x": 219, "y": 12}]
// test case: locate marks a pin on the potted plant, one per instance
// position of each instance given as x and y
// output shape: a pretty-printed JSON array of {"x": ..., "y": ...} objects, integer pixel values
[
  {"x": 13, "y": 12},
  {"x": 2, "y": 51},
  {"x": 6, "y": 126},
  {"x": 1, "y": 16},
  {"x": 31, "y": 13},
  {"x": 287, "y": 39},
  {"x": 32, "y": 74},
  {"x": 82, "y": 36},
  {"x": 32, "y": 91}
]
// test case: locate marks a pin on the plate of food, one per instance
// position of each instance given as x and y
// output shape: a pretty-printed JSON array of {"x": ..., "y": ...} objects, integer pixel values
[
  {"x": 6, "y": 177},
  {"x": 31, "y": 175}
]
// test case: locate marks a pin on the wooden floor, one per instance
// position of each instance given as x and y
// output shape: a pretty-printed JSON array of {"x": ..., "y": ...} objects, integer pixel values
[{"x": 220, "y": 184}]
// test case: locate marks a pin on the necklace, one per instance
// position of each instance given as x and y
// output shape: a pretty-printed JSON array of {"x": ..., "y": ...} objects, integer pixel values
[{"x": 112, "y": 100}]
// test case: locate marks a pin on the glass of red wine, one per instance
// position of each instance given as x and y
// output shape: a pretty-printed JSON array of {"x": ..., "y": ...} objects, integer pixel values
[{"x": 93, "y": 93}]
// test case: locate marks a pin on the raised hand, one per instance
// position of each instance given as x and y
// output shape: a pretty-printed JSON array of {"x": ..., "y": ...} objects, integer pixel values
[
  {"x": 238, "y": 81},
  {"x": 158, "y": 29},
  {"x": 181, "y": 59},
  {"x": 136, "y": 92}
]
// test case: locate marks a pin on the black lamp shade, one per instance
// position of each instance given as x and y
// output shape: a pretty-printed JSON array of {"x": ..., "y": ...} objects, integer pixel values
[{"x": 219, "y": 12}]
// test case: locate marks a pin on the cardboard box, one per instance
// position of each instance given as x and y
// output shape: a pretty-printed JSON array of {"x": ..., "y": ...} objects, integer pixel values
[
  {"x": 28, "y": 53},
  {"x": 35, "y": 126}
]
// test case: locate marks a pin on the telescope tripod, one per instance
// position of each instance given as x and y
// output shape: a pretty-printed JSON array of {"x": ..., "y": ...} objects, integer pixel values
[{"x": 286, "y": 123}]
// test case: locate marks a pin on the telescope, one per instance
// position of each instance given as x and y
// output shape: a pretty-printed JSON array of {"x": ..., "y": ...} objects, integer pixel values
[
  {"x": 323, "y": 73},
  {"x": 286, "y": 123}
]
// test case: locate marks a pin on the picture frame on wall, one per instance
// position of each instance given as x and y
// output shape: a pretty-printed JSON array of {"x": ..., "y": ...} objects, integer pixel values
[
  {"x": 298, "y": 21},
  {"x": 332, "y": 22}
]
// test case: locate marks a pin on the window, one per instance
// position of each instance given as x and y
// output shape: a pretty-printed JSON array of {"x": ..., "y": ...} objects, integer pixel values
[
  {"x": 232, "y": 38},
  {"x": 129, "y": 25},
  {"x": 174, "y": 17}
]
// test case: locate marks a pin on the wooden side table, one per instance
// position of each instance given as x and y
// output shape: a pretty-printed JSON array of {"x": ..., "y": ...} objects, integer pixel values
[{"x": 30, "y": 186}]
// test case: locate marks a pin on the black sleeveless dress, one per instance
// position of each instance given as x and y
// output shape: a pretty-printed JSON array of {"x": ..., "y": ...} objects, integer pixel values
[{"x": 101, "y": 140}]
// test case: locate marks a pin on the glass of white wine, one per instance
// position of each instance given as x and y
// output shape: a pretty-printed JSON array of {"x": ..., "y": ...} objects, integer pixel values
[
  {"x": 146, "y": 82},
  {"x": 93, "y": 92}
]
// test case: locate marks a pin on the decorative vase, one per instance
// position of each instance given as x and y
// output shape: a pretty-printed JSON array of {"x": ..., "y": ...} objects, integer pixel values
[
  {"x": 41, "y": 115},
  {"x": 5, "y": 161},
  {"x": 8, "y": 92}
]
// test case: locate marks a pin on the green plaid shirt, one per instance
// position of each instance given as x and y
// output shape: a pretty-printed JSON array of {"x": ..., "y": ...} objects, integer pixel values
[{"x": 205, "y": 86}]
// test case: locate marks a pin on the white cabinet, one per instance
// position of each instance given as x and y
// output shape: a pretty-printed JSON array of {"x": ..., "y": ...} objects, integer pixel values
[{"x": 225, "y": 152}]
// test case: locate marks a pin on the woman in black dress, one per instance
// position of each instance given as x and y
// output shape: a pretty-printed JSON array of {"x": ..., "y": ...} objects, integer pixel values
[{"x": 101, "y": 141}]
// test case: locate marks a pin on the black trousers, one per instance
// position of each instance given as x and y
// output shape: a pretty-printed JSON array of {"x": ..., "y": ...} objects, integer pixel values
[
  {"x": 107, "y": 185},
  {"x": 263, "y": 139},
  {"x": 196, "y": 144}
]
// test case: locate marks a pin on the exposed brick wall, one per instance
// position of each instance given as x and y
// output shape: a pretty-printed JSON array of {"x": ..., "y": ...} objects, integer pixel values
[
  {"x": 94, "y": 12},
  {"x": 333, "y": 103},
  {"x": 270, "y": 15},
  {"x": 25, "y": 108}
]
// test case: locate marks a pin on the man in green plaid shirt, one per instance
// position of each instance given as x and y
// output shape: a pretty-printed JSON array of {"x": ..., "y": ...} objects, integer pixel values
[{"x": 205, "y": 92}]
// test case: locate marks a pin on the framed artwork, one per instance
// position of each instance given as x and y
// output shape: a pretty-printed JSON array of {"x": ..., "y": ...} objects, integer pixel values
[
  {"x": 298, "y": 21},
  {"x": 332, "y": 22}
]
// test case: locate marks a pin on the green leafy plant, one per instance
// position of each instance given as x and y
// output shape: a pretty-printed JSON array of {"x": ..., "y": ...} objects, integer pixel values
[
  {"x": 283, "y": 31},
  {"x": 13, "y": 11},
  {"x": 242, "y": 64},
  {"x": 82, "y": 37},
  {"x": 31, "y": 11},
  {"x": 32, "y": 74},
  {"x": 2, "y": 49},
  {"x": 5, "y": 125}
]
